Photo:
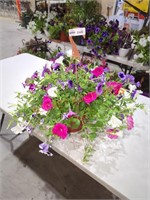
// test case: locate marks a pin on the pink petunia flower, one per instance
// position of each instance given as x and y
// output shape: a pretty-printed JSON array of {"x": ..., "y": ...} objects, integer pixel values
[
  {"x": 98, "y": 71},
  {"x": 47, "y": 103},
  {"x": 71, "y": 113},
  {"x": 90, "y": 97},
  {"x": 130, "y": 122},
  {"x": 115, "y": 86},
  {"x": 60, "y": 130},
  {"x": 111, "y": 133},
  {"x": 112, "y": 136}
]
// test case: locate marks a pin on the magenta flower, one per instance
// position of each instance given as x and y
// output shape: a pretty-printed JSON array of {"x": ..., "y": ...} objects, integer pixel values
[
  {"x": 90, "y": 97},
  {"x": 60, "y": 130},
  {"x": 130, "y": 122},
  {"x": 47, "y": 103},
  {"x": 115, "y": 86},
  {"x": 98, "y": 71},
  {"x": 110, "y": 133},
  {"x": 111, "y": 136}
]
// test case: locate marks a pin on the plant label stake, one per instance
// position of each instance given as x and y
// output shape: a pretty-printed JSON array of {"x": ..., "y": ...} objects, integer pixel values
[{"x": 75, "y": 32}]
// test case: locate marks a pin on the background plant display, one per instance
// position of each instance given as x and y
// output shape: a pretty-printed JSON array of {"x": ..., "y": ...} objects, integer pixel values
[
  {"x": 107, "y": 38},
  {"x": 68, "y": 96},
  {"x": 141, "y": 45},
  {"x": 39, "y": 48},
  {"x": 37, "y": 25}
]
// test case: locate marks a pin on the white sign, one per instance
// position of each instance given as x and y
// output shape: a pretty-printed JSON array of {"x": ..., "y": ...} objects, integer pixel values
[
  {"x": 56, "y": 1},
  {"x": 76, "y": 31}
]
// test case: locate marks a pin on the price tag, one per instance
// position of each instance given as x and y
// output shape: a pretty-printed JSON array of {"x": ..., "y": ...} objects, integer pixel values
[
  {"x": 56, "y": 1},
  {"x": 76, "y": 31}
]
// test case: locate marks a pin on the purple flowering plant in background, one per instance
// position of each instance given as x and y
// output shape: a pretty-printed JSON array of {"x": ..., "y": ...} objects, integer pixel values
[
  {"x": 107, "y": 38},
  {"x": 88, "y": 96}
]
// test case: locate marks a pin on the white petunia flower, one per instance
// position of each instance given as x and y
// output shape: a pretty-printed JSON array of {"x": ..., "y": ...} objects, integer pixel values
[
  {"x": 143, "y": 42},
  {"x": 114, "y": 122},
  {"x": 42, "y": 111},
  {"x": 127, "y": 95},
  {"x": 52, "y": 92},
  {"x": 59, "y": 60},
  {"x": 148, "y": 38},
  {"x": 132, "y": 88}
]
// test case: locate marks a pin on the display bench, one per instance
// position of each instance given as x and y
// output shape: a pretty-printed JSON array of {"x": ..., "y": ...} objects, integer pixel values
[
  {"x": 124, "y": 172},
  {"x": 111, "y": 59}
]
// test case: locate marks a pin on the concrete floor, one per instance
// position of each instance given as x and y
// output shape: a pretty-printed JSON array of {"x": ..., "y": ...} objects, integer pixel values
[{"x": 25, "y": 174}]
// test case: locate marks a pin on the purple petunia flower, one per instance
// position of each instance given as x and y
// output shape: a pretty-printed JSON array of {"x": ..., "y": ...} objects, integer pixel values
[
  {"x": 35, "y": 75},
  {"x": 106, "y": 69},
  {"x": 32, "y": 87},
  {"x": 45, "y": 70},
  {"x": 64, "y": 116},
  {"x": 70, "y": 84},
  {"x": 34, "y": 114},
  {"x": 97, "y": 29},
  {"x": 89, "y": 41},
  {"x": 56, "y": 66},
  {"x": 104, "y": 34},
  {"x": 43, "y": 87},
  {"x": 130, "y": 78},
  {"x": 92, "y": 76},
  {"x": 85, "y": 68},
  {"x": 99, "y": 89},
  {"x": 29, "y": 129},
  {"x": 133, "y": 94},
  {"x": 98, "y": 47},
  {"x": 100, "y": 40},
  {"x": 122, "y": 75},
  {"x": 79, "y": 88},
  {"x": 138, "y": 84},
  {"x": 45, "y": 149},
  {"x": 122, "y": 116},
  {"x": 59, "y": 54}
]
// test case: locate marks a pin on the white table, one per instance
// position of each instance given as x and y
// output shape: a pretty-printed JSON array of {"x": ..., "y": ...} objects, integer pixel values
[{"x": 125, "y": 173}]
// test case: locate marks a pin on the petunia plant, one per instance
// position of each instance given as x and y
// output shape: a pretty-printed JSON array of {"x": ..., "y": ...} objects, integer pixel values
[
  {"x": 70, "y": 96},
  {"x": 141, "y": 45}
]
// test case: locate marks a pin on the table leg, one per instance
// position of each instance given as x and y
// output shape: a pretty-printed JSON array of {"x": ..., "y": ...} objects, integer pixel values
[{"x": 2, "y": 121}]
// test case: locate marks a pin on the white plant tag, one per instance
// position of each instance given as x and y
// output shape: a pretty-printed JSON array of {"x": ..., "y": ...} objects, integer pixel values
[
  {"x": 56, "y": 1},
  {"x": 76, "y": 31}
]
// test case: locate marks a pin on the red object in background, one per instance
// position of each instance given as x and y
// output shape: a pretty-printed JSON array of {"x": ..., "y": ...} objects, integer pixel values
[{"x": 18, "y": 8}]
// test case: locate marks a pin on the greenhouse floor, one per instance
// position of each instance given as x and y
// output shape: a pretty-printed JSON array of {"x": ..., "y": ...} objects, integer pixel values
[{"x": 25, "y": 174}]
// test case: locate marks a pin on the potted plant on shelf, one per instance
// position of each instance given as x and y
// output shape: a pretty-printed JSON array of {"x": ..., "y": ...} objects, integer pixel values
[
  {"x": 83, "y": 13},
  {"x": 39, "y": 48},
  {"x": 125, "y": 42},
  {"x": 38, "y": 23},
  {"x": 70, "y": 94},
  {"x": 141, "y": 45}
]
